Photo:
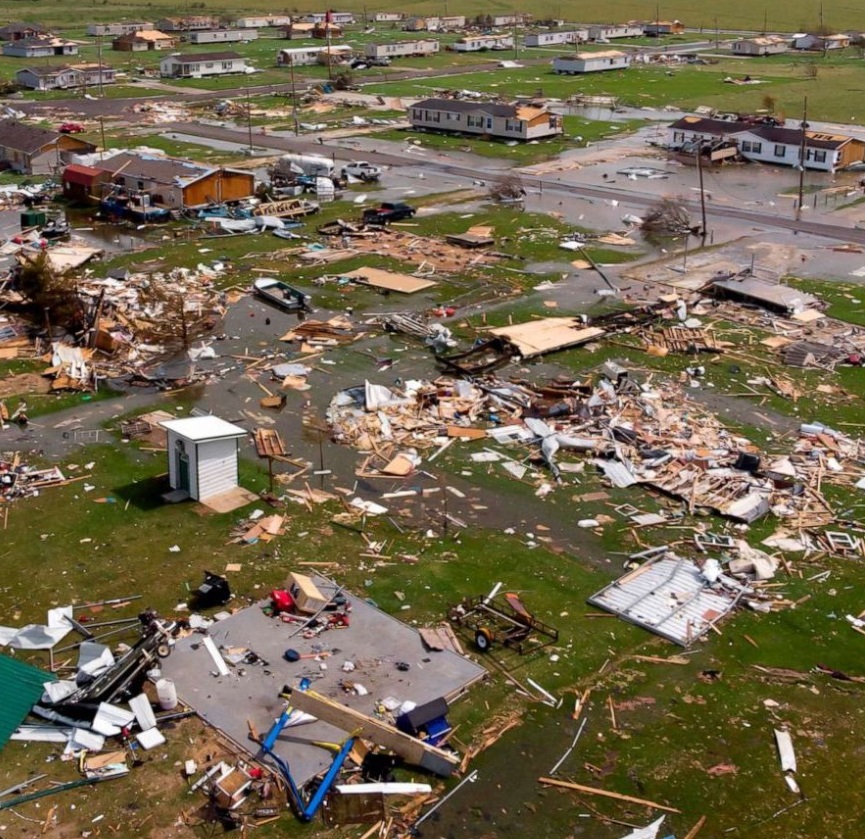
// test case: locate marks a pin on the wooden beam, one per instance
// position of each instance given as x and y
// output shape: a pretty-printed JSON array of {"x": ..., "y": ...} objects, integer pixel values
[
  {"x": 696, "y": 828},
  {"x": 552, "y": 782},
  {"x": 411, "y": 749}
]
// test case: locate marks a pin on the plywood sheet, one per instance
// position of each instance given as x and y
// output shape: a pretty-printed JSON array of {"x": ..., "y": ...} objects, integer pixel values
[
  {"x": 388, "y": 280},
  {"x": 547, "y": 335}
]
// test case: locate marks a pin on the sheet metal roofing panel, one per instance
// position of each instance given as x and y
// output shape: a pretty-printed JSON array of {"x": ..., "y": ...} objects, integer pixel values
[
  {"x": 20, "y": 689},
  {"x": 669, "y": 597}
]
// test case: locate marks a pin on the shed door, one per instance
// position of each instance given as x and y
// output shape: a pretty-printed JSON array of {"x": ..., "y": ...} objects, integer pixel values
[{"x": 182, "y": 466}]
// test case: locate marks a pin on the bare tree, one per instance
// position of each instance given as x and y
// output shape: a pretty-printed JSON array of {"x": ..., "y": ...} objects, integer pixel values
[
  {"x": 507, "y": 187},
  {"x": 668, "y": 217}
]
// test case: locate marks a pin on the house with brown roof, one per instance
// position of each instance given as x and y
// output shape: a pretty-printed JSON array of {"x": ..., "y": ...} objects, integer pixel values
[
  {"x": 657, "y": 28},
  {"x": 174, "y": 182},
  {"x": 36, "y": 151},
  {"x": 66, "y": 76},
  {"x": 143, "y": 40},
  {"x": 193, "y": 66},
  {"x": 40, "y": 46},
  {"x": 519, "y": 121},
  {"x": 81, "y": 183},
  {"x": 20, "y": 31}
]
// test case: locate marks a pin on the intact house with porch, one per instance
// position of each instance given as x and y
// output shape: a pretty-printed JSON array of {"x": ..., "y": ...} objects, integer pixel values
[
  {"x": 511, "y": 122},
  {"x": 66, "y": 77},
  {"x": 193, "y": 66},
  {"x": 37, "y": 151},
  {"x": 591, "y": 62}
]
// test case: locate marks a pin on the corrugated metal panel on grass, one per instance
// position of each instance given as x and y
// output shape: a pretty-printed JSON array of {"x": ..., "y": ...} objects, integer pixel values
[
  {"x": 668, "y": 597},
  {"x": 20, "y": 689}
]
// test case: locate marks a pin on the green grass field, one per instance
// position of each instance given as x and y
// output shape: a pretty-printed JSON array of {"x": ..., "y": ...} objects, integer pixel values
[{"x": 728, "y": 14}]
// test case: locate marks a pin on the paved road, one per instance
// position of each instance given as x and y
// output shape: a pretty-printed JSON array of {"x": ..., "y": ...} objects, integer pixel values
[{"x": 488, "y": 168}]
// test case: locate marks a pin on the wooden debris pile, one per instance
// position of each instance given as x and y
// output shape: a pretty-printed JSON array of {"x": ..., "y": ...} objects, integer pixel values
[{"x": 418, "y": 415}]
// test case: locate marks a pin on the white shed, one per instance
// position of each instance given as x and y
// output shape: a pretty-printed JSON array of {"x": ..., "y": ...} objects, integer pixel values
[{"x": 202, "y": 455}]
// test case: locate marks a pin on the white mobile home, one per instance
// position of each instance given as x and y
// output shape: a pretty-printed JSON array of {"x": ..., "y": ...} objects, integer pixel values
[
  {"x": 388, "y": 17},
  {"x": 115, "y": 29},
  {"x": 591, "y": 62},
  {"x": 555, "y": 37},
  {"x": 400, "y": 49},
  {"x": 179, "y": 66},
  {"x": 202, "y": 455},
  {"x": 512, "y": 122},
  {"x": 611, "y": 31},
  {"x": 340, "y": 18},
  {"x": 308, "y": 56},
  {"x": 262, "y": 21},
  {"x": 222, "y": 36},
  {"x": 477, "y": 43},
  {"x": 764, "y": 45}
]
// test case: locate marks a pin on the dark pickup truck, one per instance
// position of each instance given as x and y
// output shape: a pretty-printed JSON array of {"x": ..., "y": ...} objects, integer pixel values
[{"x": 387, "y": 212}]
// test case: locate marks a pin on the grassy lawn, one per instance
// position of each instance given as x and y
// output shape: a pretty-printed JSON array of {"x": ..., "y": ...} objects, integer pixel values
[
  {"x": 797, "y": 15},
  {"x": 522, "y": 154}
]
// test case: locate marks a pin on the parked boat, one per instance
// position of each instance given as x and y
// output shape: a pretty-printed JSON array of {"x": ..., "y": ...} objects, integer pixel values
[{"x": 281, "y": 295}]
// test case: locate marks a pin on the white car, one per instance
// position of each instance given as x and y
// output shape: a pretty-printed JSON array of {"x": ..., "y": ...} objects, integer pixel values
[{"x": 362, "y": 170}]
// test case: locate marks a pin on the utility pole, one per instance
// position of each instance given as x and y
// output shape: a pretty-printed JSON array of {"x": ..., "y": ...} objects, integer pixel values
[
  {"x": 328, "y": 42},
  {"x": 717, "y": 35},
  {"x": 99, "y": 62},
  {"x": 293, "y": 96},
  {"x": 802, "y": 157},
  {"x": 516, "y": 42},
  {"x": 102, "y": 132},
  {"x": 765, "y": 21},
  {"x": 249, "y": 119},
  {"x": 702, "y": 191}
]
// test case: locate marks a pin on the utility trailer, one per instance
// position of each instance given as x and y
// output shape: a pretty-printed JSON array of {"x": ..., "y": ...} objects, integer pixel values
[{"x": 502, "y": 620}]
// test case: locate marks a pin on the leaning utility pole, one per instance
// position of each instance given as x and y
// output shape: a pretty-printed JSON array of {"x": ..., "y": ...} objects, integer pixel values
[
  {"x": 293, "y": 96},
  {"x": 802, "y": 158},
  {"x": 702, "y": 191}
]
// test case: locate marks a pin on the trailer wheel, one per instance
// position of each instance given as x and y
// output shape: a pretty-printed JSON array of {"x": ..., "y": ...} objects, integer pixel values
[
  {"x": 483, "y": 639},
  {"x": 163, "y": 650}
]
